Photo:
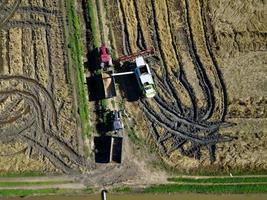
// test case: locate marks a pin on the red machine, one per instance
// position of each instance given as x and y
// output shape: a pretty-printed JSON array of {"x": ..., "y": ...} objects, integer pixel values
[
  {"x": 106, "y": 59},
  {"x": 145, "y": 53}
]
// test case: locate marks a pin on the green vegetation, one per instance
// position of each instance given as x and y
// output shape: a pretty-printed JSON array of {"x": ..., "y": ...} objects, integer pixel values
[
  {"x": 14, "y": 184},
  {"x": 104, "y": 104},
  {"x": 76, "y": 53},
  {"x": 23, "y": 193},
  {"x": 92, "y": 19},
  {"x": 132, "y": 135},
  {"x": 218, "y": 171},
  {"x": 221, "y": 185},
  {"x": 105, "y": 112},
  {"x": 214, "y": 170},
  {"x": 122, "y": 190},
  {"x": 220, "y": 180},
  {"x": 171, "y": 188},
  {"x": 88, "y": 190},
  {"x": 22, "y": 174},
  {"x": 113, "y": 103}
]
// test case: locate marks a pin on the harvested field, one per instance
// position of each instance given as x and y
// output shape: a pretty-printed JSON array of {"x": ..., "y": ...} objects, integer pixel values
[
  {"x": 38, "y": 114},
  {"x": 209, "y": 69},
  {"x": 210, "y": 58}
]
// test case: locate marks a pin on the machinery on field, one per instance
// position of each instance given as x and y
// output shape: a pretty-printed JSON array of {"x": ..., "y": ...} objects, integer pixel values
[
  {"x": 130, "y": 58},
  {"x": 144, "y": 78},
  {"x": 115, "y": 121},
  {"x": 141, "y": 71},
  {"x": 109, "y": 146},
  {"x": 105, "y": 58}
]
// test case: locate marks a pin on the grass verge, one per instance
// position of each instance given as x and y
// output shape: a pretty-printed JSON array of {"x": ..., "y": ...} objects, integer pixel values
[
  {"x": 39, "y": 192},
  {"x": 231, "y": 189},
  {"x": 132, "y": 135},
  {"x": 92, "y": 18},
  {"x": 23, "y": 193},
  {"x": 22, "y": 174},
  {"x": 77, "y": 50},
  {"x": 122, "y": 190},
  {"x": 14, "y": 184},
  {"x": 220, "y": 180}
]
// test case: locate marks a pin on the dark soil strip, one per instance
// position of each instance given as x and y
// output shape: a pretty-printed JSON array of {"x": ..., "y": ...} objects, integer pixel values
[
  {"x": 140, "y": 37},
  {"x": 54, "y": 159},
  {"x": 206, "y": 26},
  {"x": 188, "y": 89},
  {"x": 206, "y": 84},
  {"x": 167, "y": 81},
  {"x": 10, "y": 14},
  {"x": 38, "y": 10},
  {"x": 125, "y": 35}
]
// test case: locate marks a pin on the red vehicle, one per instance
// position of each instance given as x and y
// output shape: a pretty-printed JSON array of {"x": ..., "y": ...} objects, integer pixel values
[
  {"x": 105, "y": 58},
  {"x": 144, "y": 53}
]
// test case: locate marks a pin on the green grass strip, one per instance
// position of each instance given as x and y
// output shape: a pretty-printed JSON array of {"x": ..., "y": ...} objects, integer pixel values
[
  {"x": 77, "y": 54},
  {"x": 50, "y": 191},
  {"x": 24, "y": 193},
  {"x": 220, "y": 180},
  {"x": 92, "y": 19},
  {"x": 233, "y": 189},
  {"x": 14, "y": 184},
  {"x": 122, "y": 190},
  {"x": 22, "y": 174}
]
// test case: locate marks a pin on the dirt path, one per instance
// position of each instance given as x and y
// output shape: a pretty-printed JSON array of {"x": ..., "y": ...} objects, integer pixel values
[{"x": 79, "y": 183}]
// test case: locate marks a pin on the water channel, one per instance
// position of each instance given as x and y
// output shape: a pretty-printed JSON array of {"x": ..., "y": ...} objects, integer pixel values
[{"x": 177, "y": 196}]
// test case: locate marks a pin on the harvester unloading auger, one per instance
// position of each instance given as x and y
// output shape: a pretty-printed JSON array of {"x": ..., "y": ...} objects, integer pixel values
[{"x": 142, "y": 70}]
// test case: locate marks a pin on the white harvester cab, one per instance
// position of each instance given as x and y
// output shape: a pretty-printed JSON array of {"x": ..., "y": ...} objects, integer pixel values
[{"x": 144, "y": 78}]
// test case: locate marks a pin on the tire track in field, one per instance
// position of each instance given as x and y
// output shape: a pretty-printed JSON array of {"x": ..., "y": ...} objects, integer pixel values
[
  {"x": 205, "y": 83},
  {"x": 49, "y": 56},
  {"x": 43, "y": 114},
  {"x": 38, "y": 10},
  {"x": 125, "y": 35},
  {"x": 39, "y": 100},
  {"x": 218, "y": 74},
  {"x": 54, "y": 159},
  {"x": 181, "y": 126},
  {"x": 187, "y": 87},
  {"x": 4, "y": 20}
]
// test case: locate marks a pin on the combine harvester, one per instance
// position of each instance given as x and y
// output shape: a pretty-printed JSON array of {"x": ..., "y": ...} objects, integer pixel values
[
  {"x": 131, "y": 58},
  {"x": 109, "y": 147},
  {"x": 142, "y": 71}
]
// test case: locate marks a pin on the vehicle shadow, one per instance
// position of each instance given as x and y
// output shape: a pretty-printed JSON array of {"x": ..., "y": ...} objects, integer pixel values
[{"x": 128, "y": 83}]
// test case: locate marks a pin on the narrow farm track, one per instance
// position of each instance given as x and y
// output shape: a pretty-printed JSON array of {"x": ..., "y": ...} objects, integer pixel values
[{"x": 191, "y": 94}]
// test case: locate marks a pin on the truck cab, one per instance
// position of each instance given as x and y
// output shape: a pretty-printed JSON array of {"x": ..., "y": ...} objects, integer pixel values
[
  {"x": 116, "y": 123},
  {"x": 144, "y": 78},
  {"x": 105, "y": 58}
]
